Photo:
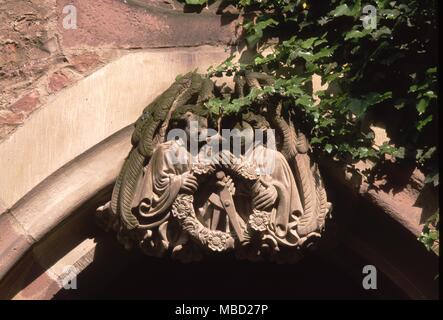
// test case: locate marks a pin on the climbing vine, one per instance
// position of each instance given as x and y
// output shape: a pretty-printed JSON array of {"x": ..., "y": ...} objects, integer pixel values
[
  {"x": 430, "y": 234},
  {"x": 382, "y": 76}
]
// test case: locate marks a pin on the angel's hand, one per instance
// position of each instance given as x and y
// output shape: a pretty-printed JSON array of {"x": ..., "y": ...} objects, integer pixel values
[
  {"x": 189, "y": 182},
  {"x": 265, "y": 198}
]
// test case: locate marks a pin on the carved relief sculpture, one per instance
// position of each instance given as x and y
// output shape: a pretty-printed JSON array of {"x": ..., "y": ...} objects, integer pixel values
[{"x": 263, "y": 200}]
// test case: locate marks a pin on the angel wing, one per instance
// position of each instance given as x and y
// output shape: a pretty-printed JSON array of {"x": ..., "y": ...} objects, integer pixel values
[
  {"x": 150, "y": 129},
  {"x": 295, "y": 147}
]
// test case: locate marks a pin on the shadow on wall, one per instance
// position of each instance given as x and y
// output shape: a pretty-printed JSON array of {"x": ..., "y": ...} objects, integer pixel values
[
  {"x": 153, "y": 278},
  {"x": 358, "y": 235},
  {"x": 334, "y": 271}
]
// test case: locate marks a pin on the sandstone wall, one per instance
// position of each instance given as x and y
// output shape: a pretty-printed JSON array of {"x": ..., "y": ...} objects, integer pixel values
[
  {"x": 53, "y": 106},
  {"x": 40, "y": 56}
]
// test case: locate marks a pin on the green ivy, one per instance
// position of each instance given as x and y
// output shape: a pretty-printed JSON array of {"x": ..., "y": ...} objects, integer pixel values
[
  {"x": 430, "y": 234},
  {"x": 386, "y": 75}
]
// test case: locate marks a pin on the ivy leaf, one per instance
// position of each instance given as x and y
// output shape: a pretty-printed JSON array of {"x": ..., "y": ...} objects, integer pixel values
[
  {"x": 422, "y": 123},
  {"x": 413, "y": 88},
  {"x": 381, "y": 32},
  {"x": 422, "y": 106},
  {"x": 432, "y": 178},
  {"x": 400, "y": 104},
  {"x": 317, "y": 140},
  {"x": 307, "y": 44},
  {"x": 357, "y": 107},
  {"x": 307, "y": 55},
  {"x": 423, "y": 156},
  {"x": 255, "y": 32},
  {"x": 390, "y": 14},
  {"x": 400, "y": 153},
  {"x": 342, "y": 10},
  {"x": 320, "y": 41},
  {"x": 363, "y": 152},
  {"x": 322, "y": 21},
  {"x": 196, "y": 2},
  {"x": 215, "y": 105},
  {"x": 356, "y": 34},
  {"x": 430, "y": 94},
  {"x": 325, "y": 52},
  {"x": 305, "y": 101},
  {"x": 373, "y": 98},
  {"x": 431, "y": 70},
  {"x": 325, "y": 122},
  {"x": 254, "y": 38}
]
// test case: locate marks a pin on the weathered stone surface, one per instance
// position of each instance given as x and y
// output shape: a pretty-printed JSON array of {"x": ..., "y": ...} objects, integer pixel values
[
  {"x": 36, "y": 49},
  {"x": 42, "y": 288},
  {"x": 115, "y": 24},
  {"x": 9, "y": 53},
  {"x": 28, "y": 281},
  {"x": 13, "y": 242},
  {"x": 402, "y": 203},
  {"x": 8, "y": 117},
  {"x": 57, "y": 81},
  {"x": 6, "y": 129},
  {"x": 83, "y": 114},
  {"x": 2, "y": 208},
  {"x": 24, "y": 26},
  {"x": 34, "y": 217},
  {"x": 85, "y": 61},
  {"x": 27, "y": 104}
]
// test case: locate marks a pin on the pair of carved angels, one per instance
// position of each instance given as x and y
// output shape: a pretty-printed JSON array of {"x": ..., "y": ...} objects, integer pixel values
[{"x": 264, "y": 199}]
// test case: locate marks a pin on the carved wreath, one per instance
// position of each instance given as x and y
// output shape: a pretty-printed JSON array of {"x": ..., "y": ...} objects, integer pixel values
[{"x": 183, "y": 210}]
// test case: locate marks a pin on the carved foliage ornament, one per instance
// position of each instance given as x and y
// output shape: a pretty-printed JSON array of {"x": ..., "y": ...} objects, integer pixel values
[{"x": 181, "y": 196}]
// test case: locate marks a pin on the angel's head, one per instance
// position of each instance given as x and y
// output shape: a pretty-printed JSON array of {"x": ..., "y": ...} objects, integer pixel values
[
  {"x": 196, "y": 128},
  {"x": 193, "y": 121}
]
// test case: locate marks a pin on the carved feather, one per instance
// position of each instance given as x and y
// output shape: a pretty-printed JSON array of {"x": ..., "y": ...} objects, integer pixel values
[
  {"x": 130, "y": 177},
  {"x": 308, "y": 221},
  {"x": 295, "y": 148},
  {"x": 154, "y": 118},
  {"x": 321, "y": 196},
  {"x": 289, "y": 138},
  {"x": 302, "y": 143},
  {"x": 116, "y": 189}
]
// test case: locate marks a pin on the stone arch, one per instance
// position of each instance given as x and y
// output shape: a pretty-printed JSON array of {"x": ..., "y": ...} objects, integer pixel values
[
  {"x": 72, "y": 148},
  {"x": 61, "y": 163}
]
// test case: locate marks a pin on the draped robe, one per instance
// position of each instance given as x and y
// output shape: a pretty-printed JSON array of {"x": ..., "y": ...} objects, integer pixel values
[
  {"x": 161, "y": 183},
  {"x": 275, "y": 171}
]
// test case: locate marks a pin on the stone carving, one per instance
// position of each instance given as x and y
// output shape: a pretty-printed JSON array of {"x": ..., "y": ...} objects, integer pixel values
[{"x": 171, "y": 199}]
